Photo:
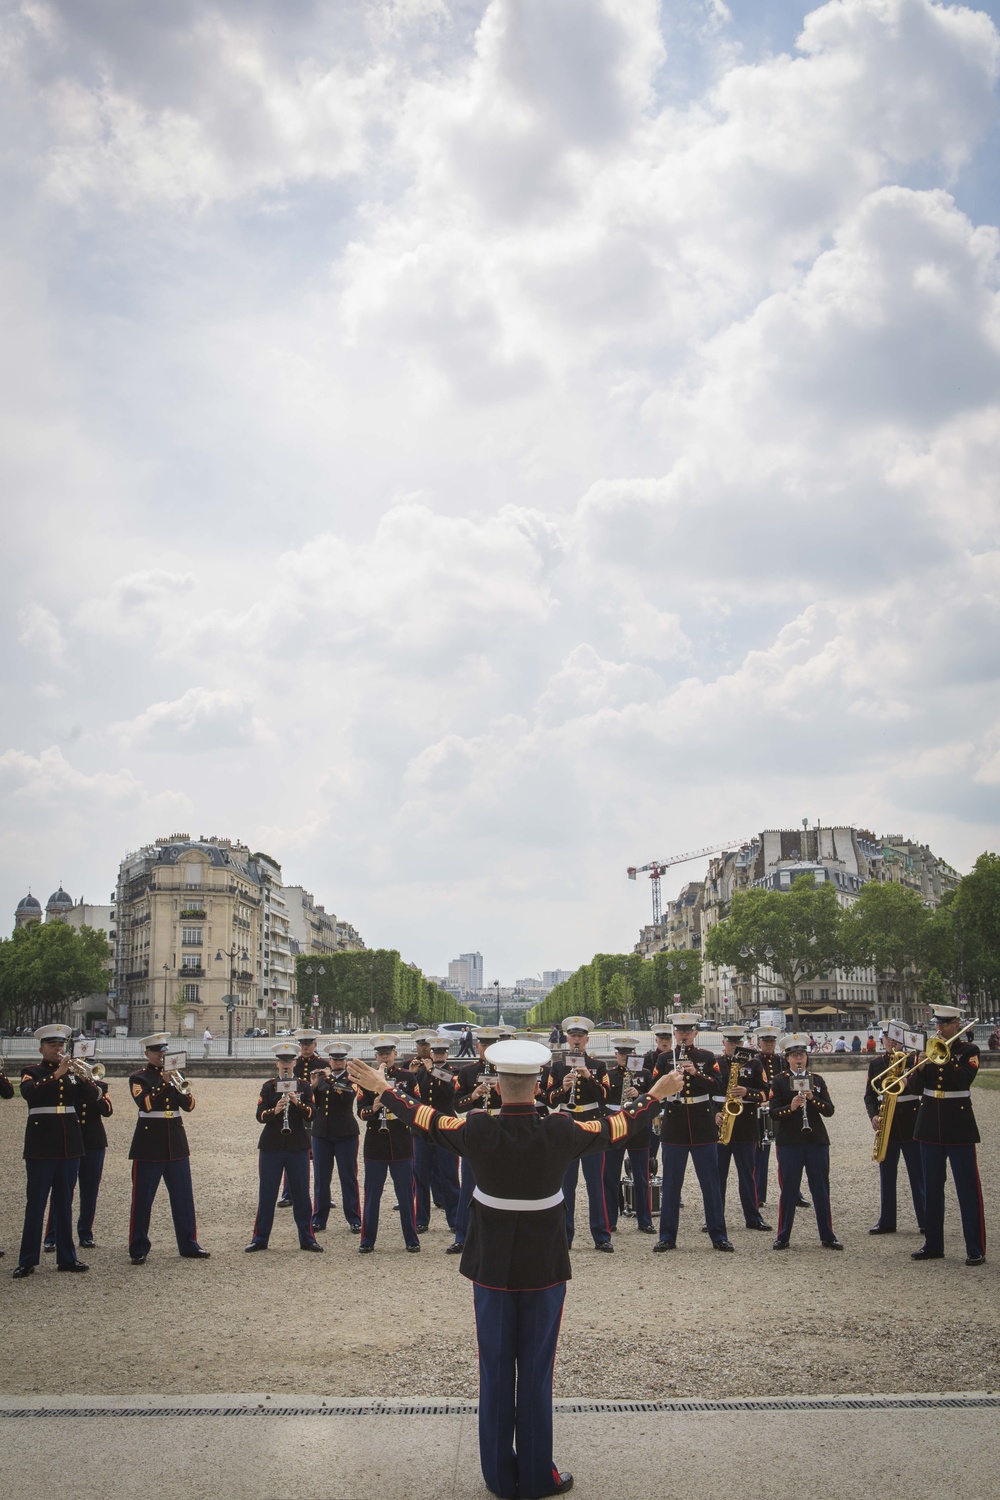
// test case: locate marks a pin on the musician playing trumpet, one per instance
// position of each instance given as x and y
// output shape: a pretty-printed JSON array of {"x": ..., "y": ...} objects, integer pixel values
[
  {"x": 901, "y": 1142},
  {"x": 947, "y": 1132},
  {"x": 800, "y": 1103},
  {"x": 284, "y": 1109},
  {"x": 160, "y": 1153}
]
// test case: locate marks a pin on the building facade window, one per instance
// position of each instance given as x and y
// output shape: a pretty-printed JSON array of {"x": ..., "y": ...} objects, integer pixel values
[
  {"x": 191, "y": 936},
  {"x": 191, "y": 961},
  {"x": 191, "y": 993}
]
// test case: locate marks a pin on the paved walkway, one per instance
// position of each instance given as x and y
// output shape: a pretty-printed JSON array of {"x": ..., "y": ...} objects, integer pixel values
[{"x": 304, "y": 1448}]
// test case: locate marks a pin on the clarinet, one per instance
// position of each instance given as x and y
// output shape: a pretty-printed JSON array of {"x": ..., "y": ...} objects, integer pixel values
[{"x": 801, "y": 1081}]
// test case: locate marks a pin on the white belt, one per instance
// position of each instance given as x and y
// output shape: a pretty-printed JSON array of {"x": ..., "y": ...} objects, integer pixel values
[
  {"x": 907, "y": 1098},
  {"x": 517, "y": 1205},
  {"x": 698, "y": 1099},
  {"x": 580, "y": 1109},
  {"x": 53, "y": 1109},
  {"x": 718, "y": 1098},
  {"x": 160, "y": 1114},
  {"x": 946, "y": 1094}
]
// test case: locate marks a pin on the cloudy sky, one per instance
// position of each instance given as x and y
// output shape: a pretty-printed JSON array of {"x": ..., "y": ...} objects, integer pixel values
[{"x": 465, "y": 448}]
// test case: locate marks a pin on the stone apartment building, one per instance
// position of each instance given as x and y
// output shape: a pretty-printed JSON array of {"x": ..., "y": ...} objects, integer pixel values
[
  {"x": 61, "y": 907},
  {"x": 846, "y": 858}
]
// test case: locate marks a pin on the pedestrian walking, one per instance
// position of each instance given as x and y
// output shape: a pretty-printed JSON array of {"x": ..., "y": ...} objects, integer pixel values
[{"x": 206, "y": 1041}]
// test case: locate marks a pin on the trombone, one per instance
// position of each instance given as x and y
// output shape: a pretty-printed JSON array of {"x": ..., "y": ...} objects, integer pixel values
[{"x": 937, "y": 1050}]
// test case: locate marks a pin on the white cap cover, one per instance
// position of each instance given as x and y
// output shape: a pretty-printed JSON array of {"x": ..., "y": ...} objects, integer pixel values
[{"x": 518, "y": 1057}]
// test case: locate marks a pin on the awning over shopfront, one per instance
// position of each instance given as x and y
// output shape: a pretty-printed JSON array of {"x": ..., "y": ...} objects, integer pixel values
[{"x": 814, "y": 1010}]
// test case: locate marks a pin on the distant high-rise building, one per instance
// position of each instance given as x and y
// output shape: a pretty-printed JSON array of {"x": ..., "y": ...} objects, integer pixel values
[
  {"x": 466, "y": 971},
  {"x": 552, "y": 977}
]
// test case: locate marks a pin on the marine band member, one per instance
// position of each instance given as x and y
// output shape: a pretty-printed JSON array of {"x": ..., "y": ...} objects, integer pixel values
[
  {"x": 283, "y": 1148},
  {"x": 752, "y": 1090},
  {"x": 688, "y": 1128},
  {"x": 948, "y": 1135},
  {"x": 477, "y": 1088},
  {"x": 901, "y": 1142},
  {"x": 576, "y": 1086},
  {"x": 388, "y": 1150},
  {"x": 160, "y": 1153},
  {"x": 516, "y": 1253},
  {"x": 655, "y": 1061},
  {"x": 800, "y": 1103},
  {"x": 53, "y": 1146},
  {"x": 308, "y": 1062},
  {"x": 434, "y": 1169},
  {"x": 335, "y": 1136},
  {"x": 95, "y": 1144},
  {"x": 624, "y": 1086}
]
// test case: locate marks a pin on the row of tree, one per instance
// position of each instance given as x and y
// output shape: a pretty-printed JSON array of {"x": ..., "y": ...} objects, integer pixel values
[
  {"x": 784, "y": 939},
  {"x": 45, "y": 967},
  {"x": 371, "y": 989}
]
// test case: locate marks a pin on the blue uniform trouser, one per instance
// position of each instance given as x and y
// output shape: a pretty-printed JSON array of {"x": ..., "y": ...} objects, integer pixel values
[
  {"x": 887, "y": 1171},
  {"x": 295, "y": 1166},
  {"x": 593, "y": 1176},
  {"x": 57, "y": 1178},
  {"x": 146, "y": 1178},
  {"x": 88, "y": 1182},
  {"x": 402, "y": 1180},
  {"x": 639, "y": 1162},
  {"x": 965, "y": 1175},
  {"x": 517, "y": 1333},
  {"x": 434, "y": 1163},
  {"x": 814, "y": 1159},
  {"x": 464, "y": 1202},
  {"x": 343, "y": 1150},
  {"x": 706, "y": 1165},
  {"x": 743, "y": 1153}
]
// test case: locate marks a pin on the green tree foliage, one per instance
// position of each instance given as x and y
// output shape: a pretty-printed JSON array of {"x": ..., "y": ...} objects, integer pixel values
[
  {"x": 801, "y": 925},
  {"x": 888, "y": 926},
  {"x": 615, "y": 986},
  {"x": 45, "y": 966},
  {"x": 354, "y": 984},
  {"x": 976, "y": 911}
]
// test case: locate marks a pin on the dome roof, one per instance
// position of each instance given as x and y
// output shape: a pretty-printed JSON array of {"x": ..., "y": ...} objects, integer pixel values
[
  {"x": 59, "y": 899},
  {"x": 29, "y": 903}
]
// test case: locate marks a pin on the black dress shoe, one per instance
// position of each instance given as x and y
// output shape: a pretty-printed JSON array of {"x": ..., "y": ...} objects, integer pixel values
[
  {"x": 21, "y": 1271},
  {"x": 253, "y": 1246},
  {"x": 564, "y": 1486},
  {"x": 831, "y": 1245},
  {"x": 606, "y": 1247},
  {"x": 924, "y": 1254},
  {"x": 646, "y": 1229},
  {"x": 49, "y": 1249},
  {"x": 780, "y": 1245},
  {"x": 284, "y": 1202},
  {"x": 760, "y": 1225},
  {"x": 138, "y": 1260},
  {"x": 704, "y": 1229},
  {"x": 355, "y": 1228},
  {"x": 74, "y": 1265},
  {"x": 198, "y": 1254},
  {"x": 879, "y": 1230},
  {"x": 722, "y": 1245},
  {"x": 312, "y": 1246},
  {"x": 664, "y": 1245},
  {"x": 88, "y": 1243},
  {"x": 454, "y": 1250},
  {"x": 801, "y": 1202},
  {"x": 365, "y": 1249},
  {"x": 410, "y": 1249},
  {"x": 975, "y": 1260},
  {"x": 421, "y": 1228}
]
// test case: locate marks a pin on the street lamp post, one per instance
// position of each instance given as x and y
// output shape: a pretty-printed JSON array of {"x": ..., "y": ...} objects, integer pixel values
[
  {"x": 681, "y": 964},
  {"x": 166, "y": 971},
  {"x": 371, "y": 996},
  {"x": 315, "y": 999},
  {"x": 496, "y": 986},
  {"x": 232, "y": 954}
]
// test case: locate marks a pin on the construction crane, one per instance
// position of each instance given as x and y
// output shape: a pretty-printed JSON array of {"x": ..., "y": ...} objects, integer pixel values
[{"x": 656, "y": 868}]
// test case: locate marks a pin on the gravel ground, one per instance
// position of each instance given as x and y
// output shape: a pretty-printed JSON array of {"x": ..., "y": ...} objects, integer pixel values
[{"x": 754, "y": 1323}]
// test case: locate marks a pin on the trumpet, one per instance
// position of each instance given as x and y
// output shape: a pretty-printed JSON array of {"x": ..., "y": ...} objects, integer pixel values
[
  {"x": 180, "y": 1083},
  {"x": 87, "y": 1072}
]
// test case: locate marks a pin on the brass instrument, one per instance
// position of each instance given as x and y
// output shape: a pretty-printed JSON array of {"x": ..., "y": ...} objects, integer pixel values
[
  {"x": 936, "y": 1050},
  {"x": 87, "y": 1072},
  {"x": 179, "y": 1082},
  {"x": 884, "y": 1085},
  {"x": 732, "y": 1106}
]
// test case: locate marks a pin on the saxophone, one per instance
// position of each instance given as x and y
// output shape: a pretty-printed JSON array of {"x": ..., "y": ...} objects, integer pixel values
[
  {"x": 733, "y": 1105},
  {"x": 887, "y": 1102}
]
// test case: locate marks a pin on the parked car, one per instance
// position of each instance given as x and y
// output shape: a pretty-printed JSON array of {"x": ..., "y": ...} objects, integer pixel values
[
  {"x": 254, "y": 1031},
  {"x": 455, "y": 1028}
]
